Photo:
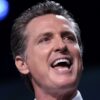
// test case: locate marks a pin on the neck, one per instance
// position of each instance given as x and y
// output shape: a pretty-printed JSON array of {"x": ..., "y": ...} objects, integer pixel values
[{"x": 42, "y": 95}]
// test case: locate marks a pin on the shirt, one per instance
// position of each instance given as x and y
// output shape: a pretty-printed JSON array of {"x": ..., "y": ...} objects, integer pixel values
[{"x": 78, "y": 96}]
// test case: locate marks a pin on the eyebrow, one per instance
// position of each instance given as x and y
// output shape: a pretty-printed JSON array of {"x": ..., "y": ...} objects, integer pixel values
[
  {"x": 67, "y": 32},
  {"x": 50, "y": 34},
  {"x": 45, "y": 34}
]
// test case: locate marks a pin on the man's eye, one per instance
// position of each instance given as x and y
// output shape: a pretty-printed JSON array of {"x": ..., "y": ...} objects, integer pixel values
[
  {"x": 70, "y": 38},
  {"x": 45, "y": 39}
]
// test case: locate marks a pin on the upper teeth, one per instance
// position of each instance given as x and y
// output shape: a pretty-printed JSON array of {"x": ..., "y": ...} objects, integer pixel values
[{"x": 61, "y": 61}]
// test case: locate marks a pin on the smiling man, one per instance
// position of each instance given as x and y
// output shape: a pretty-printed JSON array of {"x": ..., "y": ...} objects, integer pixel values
[{"x": 47, "y": 48}]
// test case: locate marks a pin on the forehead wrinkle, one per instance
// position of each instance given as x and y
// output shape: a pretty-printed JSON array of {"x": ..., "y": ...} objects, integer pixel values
[{"x": 45, "y": 19}]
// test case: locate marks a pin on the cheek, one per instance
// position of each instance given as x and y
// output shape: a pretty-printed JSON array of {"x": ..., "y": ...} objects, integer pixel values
[
  {"x": 38, "y": 60},
  {"x": 76, "y": 46},
  {"x": 43, "y": 52},
  {"x": 37, "y": 67},
  {"x": 78, "y": 56},
  {"x": 76, "y": 50}
]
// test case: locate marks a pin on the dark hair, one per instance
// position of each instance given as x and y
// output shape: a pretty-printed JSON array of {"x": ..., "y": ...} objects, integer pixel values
[{"x": 18, "y": 36}]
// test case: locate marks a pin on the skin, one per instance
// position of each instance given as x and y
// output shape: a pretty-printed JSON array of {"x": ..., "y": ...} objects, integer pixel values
[{"x": 51, "y": 37}]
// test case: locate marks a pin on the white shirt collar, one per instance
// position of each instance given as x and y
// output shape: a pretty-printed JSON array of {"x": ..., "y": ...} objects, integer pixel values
[{"x": 77, "y": 97}]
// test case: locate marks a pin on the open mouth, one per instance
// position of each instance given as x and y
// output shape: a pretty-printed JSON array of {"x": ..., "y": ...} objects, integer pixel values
[{"x": 62, "y": 63}]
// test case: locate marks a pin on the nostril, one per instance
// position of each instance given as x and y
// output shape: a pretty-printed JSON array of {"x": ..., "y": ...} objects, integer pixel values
[{"x": 64, "y": 49}]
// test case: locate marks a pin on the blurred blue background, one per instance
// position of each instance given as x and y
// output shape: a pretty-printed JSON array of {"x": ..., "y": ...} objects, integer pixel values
[
  {"x": 4, "y": 9},
  {"x": 87, "y": 15}
]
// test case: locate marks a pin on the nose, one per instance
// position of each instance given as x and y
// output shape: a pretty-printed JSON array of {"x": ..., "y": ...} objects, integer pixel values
[{"x": 60, "y": 46}]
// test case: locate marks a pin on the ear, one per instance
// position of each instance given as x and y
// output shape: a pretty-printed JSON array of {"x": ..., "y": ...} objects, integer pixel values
[{"x": 21, "y": 65}]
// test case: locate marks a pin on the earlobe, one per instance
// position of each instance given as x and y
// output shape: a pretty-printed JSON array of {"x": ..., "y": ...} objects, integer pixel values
[{"x": 21, "y": 65}]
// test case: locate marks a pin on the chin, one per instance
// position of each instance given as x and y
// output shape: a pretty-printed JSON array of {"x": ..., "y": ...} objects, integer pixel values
[
  {"x": 66, "y": 83},
  {"x": 63, "y": 88}
]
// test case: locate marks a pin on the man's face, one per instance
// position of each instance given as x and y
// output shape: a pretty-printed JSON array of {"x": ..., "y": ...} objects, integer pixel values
[{"x": 53, "y": 54}]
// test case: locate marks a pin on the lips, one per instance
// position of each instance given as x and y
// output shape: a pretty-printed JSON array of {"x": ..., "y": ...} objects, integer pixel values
[{"x": 62, "y": 63}]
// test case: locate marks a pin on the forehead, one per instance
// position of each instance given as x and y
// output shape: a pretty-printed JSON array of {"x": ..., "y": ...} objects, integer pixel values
[
  {"x": 47, "y": 18},
  {"x": 47, "y": 22}
]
